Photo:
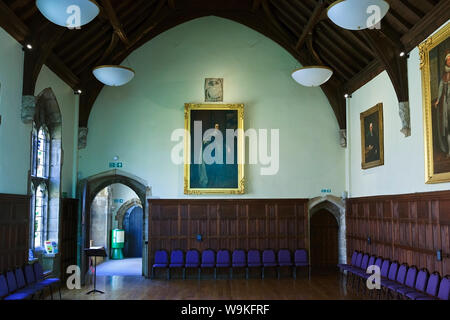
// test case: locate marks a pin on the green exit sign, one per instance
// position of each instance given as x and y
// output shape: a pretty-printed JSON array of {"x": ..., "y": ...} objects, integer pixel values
[
  {"x": 326, "y": 191},
  {"x": 116, "y": 165}
]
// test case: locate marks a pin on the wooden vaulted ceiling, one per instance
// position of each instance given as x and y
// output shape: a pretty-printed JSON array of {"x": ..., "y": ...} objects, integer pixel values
[{"x": 124, "y": 25}]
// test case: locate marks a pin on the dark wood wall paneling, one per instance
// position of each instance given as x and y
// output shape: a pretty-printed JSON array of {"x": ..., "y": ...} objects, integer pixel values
[
  {"x": 68, "y": 234},
  {"x": 407, "y": 228},
  {"x": 14, "y": 230},
  {"x": 227, "y": 224}
]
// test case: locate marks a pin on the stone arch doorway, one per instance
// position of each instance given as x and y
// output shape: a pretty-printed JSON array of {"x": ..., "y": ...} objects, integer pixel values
[
  {"x": 88, "y": 189},
  {"x": 324, "y": 240},
  {"x": 125, "y": 208},
  {"x": 330, "y": 212}
]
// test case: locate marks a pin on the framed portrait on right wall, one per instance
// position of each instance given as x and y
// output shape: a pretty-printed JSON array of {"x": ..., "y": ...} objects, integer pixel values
[
  {"x": 372, "y": 137},
  {"x": 435, "y": 66}
]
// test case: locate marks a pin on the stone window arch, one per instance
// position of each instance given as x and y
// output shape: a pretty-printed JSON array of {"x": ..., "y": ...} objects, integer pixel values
[{"x": 45, "y": 172}]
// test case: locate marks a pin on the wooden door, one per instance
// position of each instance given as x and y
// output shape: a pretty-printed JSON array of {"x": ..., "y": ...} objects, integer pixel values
[
  {"x": 68, "y": 234},
  {"x": 132, "y": 224},
  {"x": 324, "y": 240}
]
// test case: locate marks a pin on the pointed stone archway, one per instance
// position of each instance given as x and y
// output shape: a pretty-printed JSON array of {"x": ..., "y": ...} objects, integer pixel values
[
  {"x": 124, "y": 208},
  {"x": 87, "y": 190},
  {"x": 336, "y": 206}
]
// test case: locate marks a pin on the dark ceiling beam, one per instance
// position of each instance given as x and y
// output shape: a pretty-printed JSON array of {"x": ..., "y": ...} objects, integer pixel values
[
  {"x": 12, "y": 24},
  {"x": 363, "y": 77},
  {"x": 112, "y": 45},
  {"x": 157, "y": 16},
  {"x": 34, "y": 59},
  {"x": 117, "y": 26},
  {"x": 256, "y": 5},
  {"x": 91, "y": 89},
  {"x": 42, "y": 49},
  {"x": 427, "y": 25},
  {"x": 172, "y": 4},
  {"x": 405, "y": 8},
  {"x": 389, "y": 57},
  {"x": 91, "y": 86},
  {"x": 313, "y": 20},
  {"x": 274, "y": 22},
  {"x": 333, "y": 89},
  {"x": 62, "y": 71}
]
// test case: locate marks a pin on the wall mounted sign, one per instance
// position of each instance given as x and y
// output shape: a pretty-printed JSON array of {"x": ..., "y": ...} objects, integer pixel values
[{"x": 116, "y": 165}]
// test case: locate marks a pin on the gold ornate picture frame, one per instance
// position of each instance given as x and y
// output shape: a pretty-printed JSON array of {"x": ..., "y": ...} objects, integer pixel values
[
  {"x": 372, "y": 137},
  {"x": 200, "y": 177},
  {"x": 435, "y": 76}
]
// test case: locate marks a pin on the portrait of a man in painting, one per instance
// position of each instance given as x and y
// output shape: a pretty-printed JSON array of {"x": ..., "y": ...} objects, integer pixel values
[
  {"x": 214, "y": 149},
  {"x": 372, "y": 137},
  {"x": 372, "y": 151},
  {"x": 435, "y": 65}
]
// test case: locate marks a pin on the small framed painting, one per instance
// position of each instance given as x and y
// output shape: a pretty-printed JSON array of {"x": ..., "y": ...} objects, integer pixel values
[
  {"x": 213, "y": 90},
  {"x": 372, "y": 137}
]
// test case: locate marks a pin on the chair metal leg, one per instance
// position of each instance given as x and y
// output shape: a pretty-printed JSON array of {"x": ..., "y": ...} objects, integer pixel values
[
  {"x": 184, "y": 273},
  {"x": 199, "y": 274},
  {"x": 59, "y": 289},
  {"x": 51, "y": 292},
  {"x": 262, "y": 276},
  {"x": 153, "y": 274},
  {"x": 278, "y": 272},
  {"x": 215, "y": 273},
  {"x": 246, "y": 273},
  {"x": 231, "y": 273},
  {"x": 168, "y": 273}
]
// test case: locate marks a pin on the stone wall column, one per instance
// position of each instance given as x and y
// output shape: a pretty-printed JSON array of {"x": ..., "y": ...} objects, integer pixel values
[
  {"x": 405, "y": 117},
  {"x": 28, "y": 108},
  {"x": 343, "y": 138},
  {"x": 82, "y": 138}
]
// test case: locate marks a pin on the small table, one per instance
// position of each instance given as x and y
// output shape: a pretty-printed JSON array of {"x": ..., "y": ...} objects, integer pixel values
[{"x": 95, "y": 252}]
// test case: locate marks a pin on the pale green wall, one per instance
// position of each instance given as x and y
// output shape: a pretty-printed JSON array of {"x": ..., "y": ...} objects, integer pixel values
[
  {"x": 14, "y": 135},
  {"x": 136, "y": 121},
  {"x": 66, "y": 101},
  {"x": 404, "y": 169}
]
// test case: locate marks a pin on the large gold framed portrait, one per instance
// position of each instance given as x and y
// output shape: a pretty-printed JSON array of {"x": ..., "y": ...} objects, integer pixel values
[
  {"x": 435, "y": 66},
  {"x": 214, "y": 149},
  {"x": 372, "y": 137}
]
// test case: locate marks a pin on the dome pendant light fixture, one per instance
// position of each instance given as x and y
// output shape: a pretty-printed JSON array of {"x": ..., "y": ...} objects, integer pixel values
[
  {"x": 114, "y": 76},
  {"x": 69, "y": 13},
  {"x": 357, "y": 14},
  {"x": 312, "y": 76}
]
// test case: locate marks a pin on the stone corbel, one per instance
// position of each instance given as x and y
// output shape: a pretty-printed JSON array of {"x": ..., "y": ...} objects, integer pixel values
[
  {"x": 28, "y": 108},
  {"x": 343, "y": 137},
  {"x": 82, "y": 138},
  {"x": 405, "y": 117}
]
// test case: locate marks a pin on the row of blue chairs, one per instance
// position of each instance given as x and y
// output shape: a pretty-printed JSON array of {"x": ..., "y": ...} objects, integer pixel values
[
  {"x": 397, "y": 281},
  {"x": 27, "y": 283},
  {"x": 223, "y": 259}
]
